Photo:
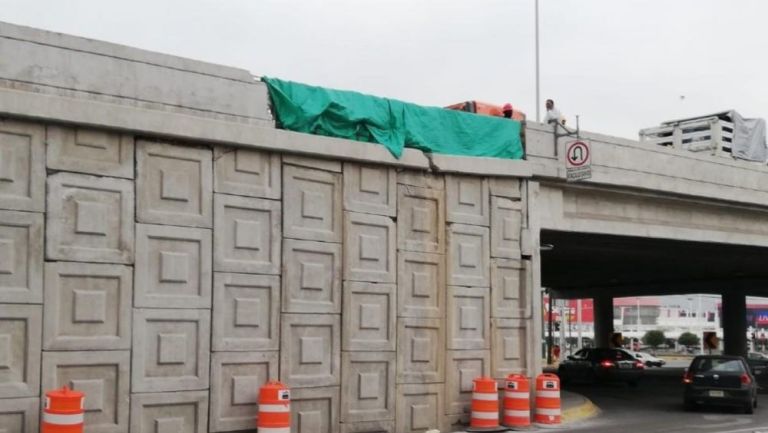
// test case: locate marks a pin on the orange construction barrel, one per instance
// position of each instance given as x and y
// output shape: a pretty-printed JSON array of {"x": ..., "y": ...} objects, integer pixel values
[
  {"x": 274, "y": 408},
  {"x": 517, "y": 401},
  {"x": 547, "y": 399},
  {"x": 63, "y": 412},
  {"x": 485, "y": 404}
]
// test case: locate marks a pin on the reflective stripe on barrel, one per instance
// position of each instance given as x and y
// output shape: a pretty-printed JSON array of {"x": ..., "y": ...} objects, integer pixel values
[
  {"x": 485, "y": 403},
  {"x": 547, "y": 399},
  {"x": 517, "y": 401}
]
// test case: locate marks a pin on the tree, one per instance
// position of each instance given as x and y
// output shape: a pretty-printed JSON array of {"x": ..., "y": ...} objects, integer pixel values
[
  {"x": 688, "y": 339},
  {"x": 654, "y": 338}
]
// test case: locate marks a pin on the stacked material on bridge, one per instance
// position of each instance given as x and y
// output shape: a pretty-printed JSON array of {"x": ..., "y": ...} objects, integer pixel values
[
  {"x": 392, "y": 123},
  {"x": 726, "y": 133}
]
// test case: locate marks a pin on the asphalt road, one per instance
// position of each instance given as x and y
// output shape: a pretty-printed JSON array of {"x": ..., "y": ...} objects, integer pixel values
[{"x": 656, "y": 407}]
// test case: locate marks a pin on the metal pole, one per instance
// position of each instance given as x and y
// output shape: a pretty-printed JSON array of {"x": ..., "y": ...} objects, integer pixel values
[
  {"x": 550, "y": 338},
  {"x": 538, "y": 98},
  {"x": 578, "y": 323}
]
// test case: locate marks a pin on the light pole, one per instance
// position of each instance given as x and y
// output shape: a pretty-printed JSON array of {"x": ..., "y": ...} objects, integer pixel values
[{"x": 538, "y": 99}]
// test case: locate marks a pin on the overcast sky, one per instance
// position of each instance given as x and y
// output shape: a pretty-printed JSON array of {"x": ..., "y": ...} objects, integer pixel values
[{"x": 622, "y": 65}]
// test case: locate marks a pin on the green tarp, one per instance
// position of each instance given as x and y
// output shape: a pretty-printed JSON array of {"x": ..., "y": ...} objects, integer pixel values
[{"x": 392, "y": 123}]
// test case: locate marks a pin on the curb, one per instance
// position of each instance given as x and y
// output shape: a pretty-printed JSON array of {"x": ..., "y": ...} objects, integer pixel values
[{"x": 581, "y": 412}]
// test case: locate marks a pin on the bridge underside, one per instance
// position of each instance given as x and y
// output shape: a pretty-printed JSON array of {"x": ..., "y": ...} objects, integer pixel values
[{"x": 603, "y": 267}]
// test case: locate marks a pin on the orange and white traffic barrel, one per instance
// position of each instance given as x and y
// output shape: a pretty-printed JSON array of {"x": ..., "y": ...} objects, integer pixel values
[
  {"x": 547, "y": 409},
  {"x": 64, "y": 411},
  {"x": 274, "y": 408},
  {"x": 517, "y": 401},
  {"x": 485, "y": 404}
]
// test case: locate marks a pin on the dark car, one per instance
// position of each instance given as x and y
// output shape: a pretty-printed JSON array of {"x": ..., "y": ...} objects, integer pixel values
[
  {"x": 596, "y": 364},
  {"x": 720, "y": 380}
]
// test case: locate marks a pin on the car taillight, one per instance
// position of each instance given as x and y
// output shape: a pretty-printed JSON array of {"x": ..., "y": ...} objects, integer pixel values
[
  {"x": 745, "y": 379},
  {"x": 687, "y": 377},
  {"x": 639, "y": 364},
  {"x": 607, "y": 363}
]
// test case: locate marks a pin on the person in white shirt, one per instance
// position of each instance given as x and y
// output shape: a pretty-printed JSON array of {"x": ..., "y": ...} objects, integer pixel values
[{"x": 553, "y": 114}]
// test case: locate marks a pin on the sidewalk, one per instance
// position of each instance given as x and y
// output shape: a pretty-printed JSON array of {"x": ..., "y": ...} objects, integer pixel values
[{"x": 575, "y": 408}]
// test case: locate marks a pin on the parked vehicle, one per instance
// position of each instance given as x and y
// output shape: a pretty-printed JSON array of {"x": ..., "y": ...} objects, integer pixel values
[
  {"x": 720, "y": 380},
  {"x": 758, "y": 364},
  {"x": 601, "y": 364},
  {"x": 648, "y": 359}
]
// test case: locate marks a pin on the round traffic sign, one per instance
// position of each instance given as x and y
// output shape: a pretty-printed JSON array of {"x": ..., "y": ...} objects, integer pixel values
[{"x": 577, "y": 153}]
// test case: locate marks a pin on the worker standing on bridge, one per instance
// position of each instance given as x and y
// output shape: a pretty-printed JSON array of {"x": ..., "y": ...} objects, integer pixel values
[
  {"x": 507, "y": 110},
  {"x": 553, "y": 114}
]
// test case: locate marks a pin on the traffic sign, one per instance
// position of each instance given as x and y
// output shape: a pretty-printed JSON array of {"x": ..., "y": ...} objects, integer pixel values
[
  {"x": 617, "y": 340},
  {"x": 710, "y": 340},
  {"x": 578, "y": 161}
]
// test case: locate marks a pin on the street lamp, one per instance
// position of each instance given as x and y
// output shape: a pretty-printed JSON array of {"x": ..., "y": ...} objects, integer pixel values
[{"x": 538, "y": 99}]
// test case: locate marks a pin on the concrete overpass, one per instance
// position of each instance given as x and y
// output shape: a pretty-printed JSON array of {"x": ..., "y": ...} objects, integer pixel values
[
  {"x": 651, "y": 221},
  {"x": 164, "y": 247}
]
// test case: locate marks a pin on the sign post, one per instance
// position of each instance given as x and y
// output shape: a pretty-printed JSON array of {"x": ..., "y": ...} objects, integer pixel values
[{"x": 578, "y": 161}]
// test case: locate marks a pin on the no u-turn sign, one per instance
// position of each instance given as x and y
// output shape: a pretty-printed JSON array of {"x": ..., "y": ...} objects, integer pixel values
[{"x": 578, "y": 161}]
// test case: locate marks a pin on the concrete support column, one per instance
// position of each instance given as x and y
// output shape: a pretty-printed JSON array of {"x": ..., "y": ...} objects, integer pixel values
[
  {"x": 603, "y": 310},
  {"x": 734, "y": 323}
]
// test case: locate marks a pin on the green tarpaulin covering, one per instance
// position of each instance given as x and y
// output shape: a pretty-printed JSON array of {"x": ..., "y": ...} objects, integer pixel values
[{"x": 392, "y": 123}]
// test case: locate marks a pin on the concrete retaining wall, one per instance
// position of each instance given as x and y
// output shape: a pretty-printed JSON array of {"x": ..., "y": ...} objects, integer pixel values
[{"x": 169, "y": 280}]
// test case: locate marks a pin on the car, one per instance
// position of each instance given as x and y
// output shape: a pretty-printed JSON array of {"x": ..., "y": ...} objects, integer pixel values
[
  {"x": 720, "y": 380},
  {"x": 648, "y": 359},
  {"x": 758, "y": 363},
  {"x": 602, "y": 365}
]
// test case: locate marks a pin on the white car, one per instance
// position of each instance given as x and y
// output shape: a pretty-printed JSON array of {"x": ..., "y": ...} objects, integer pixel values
[{"x": 648, "y": 359}]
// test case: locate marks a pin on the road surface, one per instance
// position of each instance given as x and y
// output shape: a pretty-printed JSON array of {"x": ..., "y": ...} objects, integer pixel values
[{"x": 656, "y": 407}]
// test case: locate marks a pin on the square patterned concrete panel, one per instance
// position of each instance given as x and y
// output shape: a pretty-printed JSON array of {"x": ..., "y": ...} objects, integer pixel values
[
  {"x": 420, "y": 284},
  {"x": 506, "y": 224},
  {"x": 90, "y": 218},
  {"x": 370, "y": 189},
  {"x": 420, "y": 350},
  {"x": 311, "y": 277},
  {"x": 419, "y": 408},
  {"x": 369, "y": 427},
  {"x": 468, "y": 256},
  {"x": 420, "y": 219},
  {"x": 309, "y": 162},
  {"x": 174, "y": 184},
  {"x": 310, "y": 350},
  {"x": 421, "y": 179},
  {"x": 463, "y": 366},
  {"x": 247, "y": 235},
  {"x": 21, "y": 257},
  {"x": 246, "y": 312},
  {"x": 314, "y": 410},
  {"x": 173, "y": 267},
  {"x": 90, "y": 151},
  {"x": 369, "y": 248},
  {"x": 467, "y": 200},
  {"x": 510, "y": 294},
  {"x": 20, "y": 342},
  {"x": 20, "y": 415},
  {"x": 22, "y": 166},
  {"x": 170, "y": 350},
  {"x": 312, "y": 201},
  {"x": 102, "y": 376},
  {"x": 170, "y": 412},
  {"x": 468, "y": 316},
  {"x": 87, "y": 306},
  {"x": 508, "y": 347},
  {"x": 368, "y": 386},
  {"x": 505, "y": 187},
  {"x": 368, "y": 316},
  {"x": 235, "y": 381},
  {"x": 246, "y": 172}
]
